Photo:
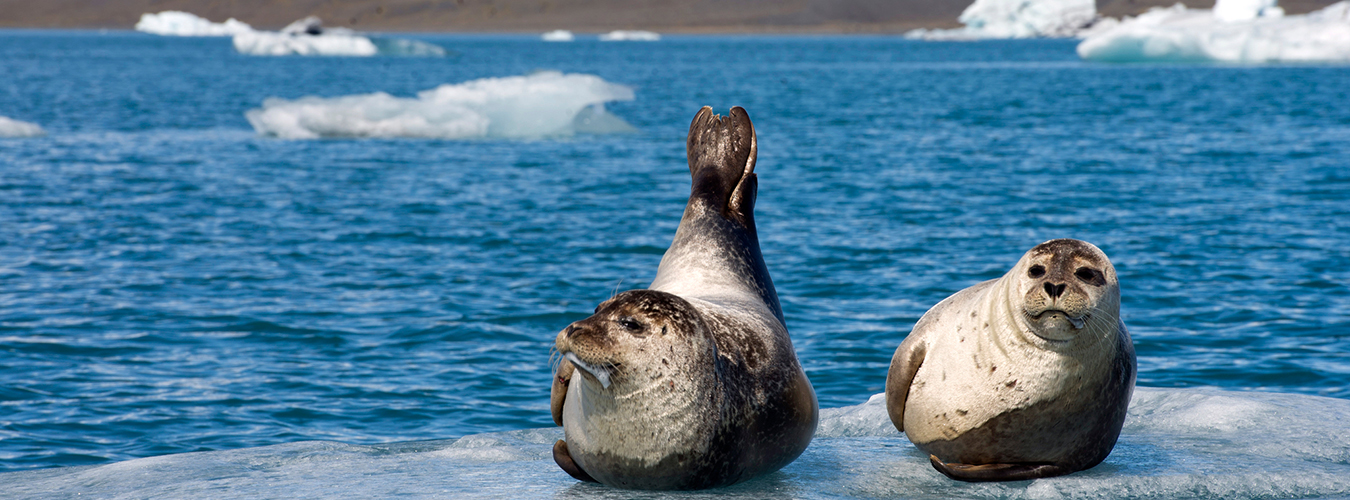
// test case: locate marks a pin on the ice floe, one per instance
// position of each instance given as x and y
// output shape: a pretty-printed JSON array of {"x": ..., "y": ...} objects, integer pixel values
[
  {"x": 987, "y": 19},
  {"x": 543, "y": 104},
  {"x": 178, "y": 23},
  {"x": 306, "y": 37},
  {"x": 558, "y": 36},
  {"x": 630, "y": 36},
  {"x": 1235, "y": 31},
  {"x": 1177, "y": 443},
  {"x": 10, "y": 128}
]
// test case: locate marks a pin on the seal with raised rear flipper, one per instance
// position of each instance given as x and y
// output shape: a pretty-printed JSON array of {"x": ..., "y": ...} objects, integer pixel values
[
  {"x": 692, "y": 383},
  {"x": 1021, "y": 377}
]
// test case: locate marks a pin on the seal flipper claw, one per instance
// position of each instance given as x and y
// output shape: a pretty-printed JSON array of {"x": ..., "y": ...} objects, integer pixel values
[
  {"x": 564, "y": 461},
  {"x": 996, "y": 472},
  {"x": 722, "y": 153}
]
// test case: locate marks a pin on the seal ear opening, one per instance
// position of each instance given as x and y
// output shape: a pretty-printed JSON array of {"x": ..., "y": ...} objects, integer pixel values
[{"x": 722, "y": 152}]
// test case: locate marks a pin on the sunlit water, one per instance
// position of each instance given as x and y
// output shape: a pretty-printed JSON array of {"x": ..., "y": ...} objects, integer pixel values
[{"x": 172, "y": 282}]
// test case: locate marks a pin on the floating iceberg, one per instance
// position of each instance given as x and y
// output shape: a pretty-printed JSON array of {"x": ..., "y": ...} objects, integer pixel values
[
  {"x": 986, "y": 19},
  {"x": 539, "y": 105},
  {"x": 1200, "y": 444},
  {"x": 406, "y": 47},
  {"x": 1237, "y": 31},
  {"x": 306, "y": 37},
  {"x": 558, "y": 36},
  {"x": 178, "y": 23},
  {"x": 10, "y": 127},
  {"x": 630, "y": 36}
]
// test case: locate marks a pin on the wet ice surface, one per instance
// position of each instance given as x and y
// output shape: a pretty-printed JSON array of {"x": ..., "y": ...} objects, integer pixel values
[{"x": 1177, "y": 443}]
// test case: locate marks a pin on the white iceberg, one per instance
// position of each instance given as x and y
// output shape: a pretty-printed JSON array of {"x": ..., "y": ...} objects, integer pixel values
[
  {"x": 630, "y": 36},
  {"x": 543, "y": 104},
  {"x": 178, "y": 23},
  {"x": 1177, "y": 443},
  {"x": 987, "y": 19},
  {"x": 11, "y": 128},
  {"x": 1235, "y": 31},
  {"x": 1246, "y": 10},
  {"x": 558, "y": 36},
  {"x": 306, "y": 37}
]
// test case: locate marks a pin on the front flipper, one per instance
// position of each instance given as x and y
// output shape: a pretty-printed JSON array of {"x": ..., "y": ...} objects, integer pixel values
[
  {"x": 996, "y": 472},
  {"x": 564, "y": 460},
  {"x": 904, "y": 365},
  {"x": 559, "y": 392}
]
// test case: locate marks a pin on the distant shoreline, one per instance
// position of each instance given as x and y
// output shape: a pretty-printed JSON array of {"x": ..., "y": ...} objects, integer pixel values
[{"x": 785, "y": 17}]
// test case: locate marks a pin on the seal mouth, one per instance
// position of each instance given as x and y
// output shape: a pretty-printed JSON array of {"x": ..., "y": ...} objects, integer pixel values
[
  {"x": 599, "y": 372},
  {"x": 1078, "y": 323}
]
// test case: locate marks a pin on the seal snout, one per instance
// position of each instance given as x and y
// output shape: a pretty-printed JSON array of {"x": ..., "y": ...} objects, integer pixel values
[{"x": 1054, "y": 290}]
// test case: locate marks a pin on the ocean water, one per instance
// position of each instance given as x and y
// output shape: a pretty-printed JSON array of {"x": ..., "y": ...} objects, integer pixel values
[{"x": 374, "y": 316}]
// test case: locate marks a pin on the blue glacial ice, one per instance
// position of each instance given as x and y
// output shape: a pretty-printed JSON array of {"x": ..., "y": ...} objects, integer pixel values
[
  {"x": 11, "y": 128},
  {"x": 1177, "y": 443},
  {"x": 1234, "y": 31},
  {"x": 986, "y": 19},
  {"x": 543, "y": 104}
]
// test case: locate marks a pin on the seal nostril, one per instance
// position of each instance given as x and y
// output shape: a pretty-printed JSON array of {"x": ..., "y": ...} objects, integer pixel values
[
  {"x": 1054, "y": 291},
  {"x": 570, "y": 329}
]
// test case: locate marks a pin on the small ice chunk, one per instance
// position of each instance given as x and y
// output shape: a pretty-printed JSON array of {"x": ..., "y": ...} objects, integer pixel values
[
  {"x": 178, "y": 23},
  {"x": 987, "y": 19},
  {"x": 543, "y": 104},
  {"x": 558, "y": 36},
  {"x": 630, "y": 36},
  {"x": 10, "y": 128},
  {"x": 406, "y": 47},
  {"x": 1226, "y": 34}
]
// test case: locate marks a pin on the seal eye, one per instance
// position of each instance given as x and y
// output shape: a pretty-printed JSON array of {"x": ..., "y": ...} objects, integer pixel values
[
  {"x": 630, "y": 324},
  {"x": 1090, "y": 276},
  {"x": 1036, "y": 271}
]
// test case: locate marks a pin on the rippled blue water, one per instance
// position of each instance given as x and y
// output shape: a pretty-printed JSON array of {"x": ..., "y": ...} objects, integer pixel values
[{"x": 171, "y": 282}]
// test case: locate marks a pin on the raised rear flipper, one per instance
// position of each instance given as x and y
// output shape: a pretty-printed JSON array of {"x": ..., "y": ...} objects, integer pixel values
[
  {"x": 715, "y": 255},
  {"x": 722, "y": 154}
]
